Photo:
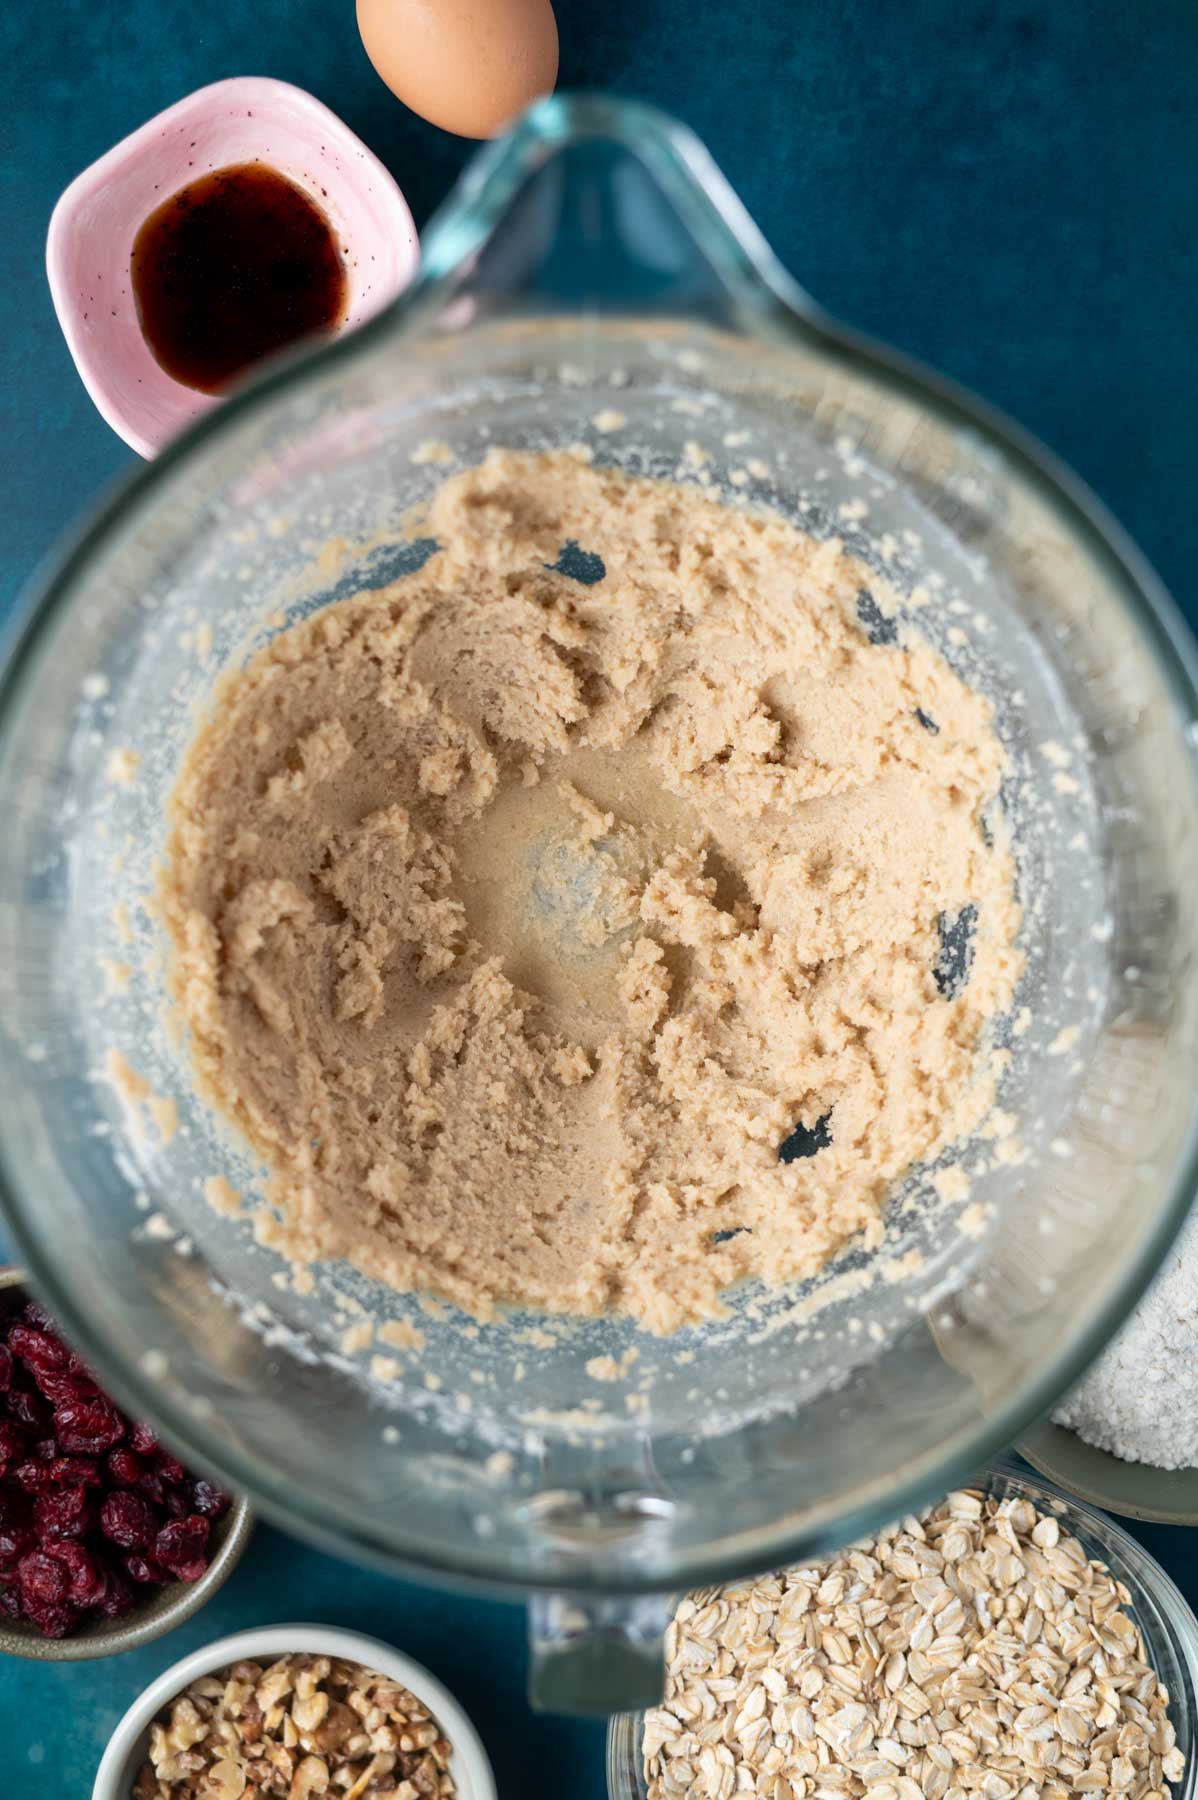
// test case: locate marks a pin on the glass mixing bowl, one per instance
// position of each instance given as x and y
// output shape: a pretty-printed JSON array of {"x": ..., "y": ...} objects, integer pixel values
[
  {"x": 1168, "y": 1627},
  {"x": 595, "y": 263}
]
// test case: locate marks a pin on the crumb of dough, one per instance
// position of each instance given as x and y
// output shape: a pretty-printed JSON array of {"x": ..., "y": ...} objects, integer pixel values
[
  {"x": 132, "y": 1087},
  {"x": 611, "y": 1368},
  {"x": 499, "y": 1463},
  {"x": 1065, "y": 1040},
  {"x": 386, "y": 1368},
  {"x": 1009, "y": 1151},
  {"x": 537, "y": 1338},
  {"x": 120, "y": 923},
  {"x": 901, "y": 1268},
  {"x": 357, "y": 1337},
  {"x": 117, "y": 975},
  {"x": 401, "y": 1334},
  {"x": 223, "y": 1197},
  {"x": 433, "y": 1383},
  {"x": 951, "y": 1184},
  {"x": 972, "y": 1222},
  {"x": 164, "y": 1111},
  {"x": 121, "y": 769},
  {"x": 609, "y": 420},
  {"x": 432, "y": 450},
  {"x": 676, "y": 1015}
]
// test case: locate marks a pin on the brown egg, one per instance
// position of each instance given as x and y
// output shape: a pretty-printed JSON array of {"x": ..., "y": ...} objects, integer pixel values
[{"x": 467, "y": 65}]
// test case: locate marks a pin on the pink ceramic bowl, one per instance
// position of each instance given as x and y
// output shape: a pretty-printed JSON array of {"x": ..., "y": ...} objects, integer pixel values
[{"x": 95, "y": 222}]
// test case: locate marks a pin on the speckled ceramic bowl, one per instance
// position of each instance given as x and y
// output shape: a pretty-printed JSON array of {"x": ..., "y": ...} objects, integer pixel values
[
  {"x": 1136, "y": 1490},
  {"x": 164, "y": 1608}
]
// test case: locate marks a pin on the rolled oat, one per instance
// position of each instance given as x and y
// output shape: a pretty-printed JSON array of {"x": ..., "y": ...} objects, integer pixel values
[{"x": 972, "y": 1651}]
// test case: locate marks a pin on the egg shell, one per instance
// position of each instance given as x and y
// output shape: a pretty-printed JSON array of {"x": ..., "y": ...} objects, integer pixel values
[{"x": 468, "y": 66}]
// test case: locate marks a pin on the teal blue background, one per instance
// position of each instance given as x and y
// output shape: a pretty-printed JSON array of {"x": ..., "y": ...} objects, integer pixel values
[{"x": 1006, "y": 190}]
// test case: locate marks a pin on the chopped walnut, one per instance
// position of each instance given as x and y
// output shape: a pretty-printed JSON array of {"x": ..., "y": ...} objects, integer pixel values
[{"x": 306, "y": 1726}]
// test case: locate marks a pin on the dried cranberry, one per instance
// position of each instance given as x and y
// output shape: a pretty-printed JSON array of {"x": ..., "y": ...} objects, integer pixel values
[
  {"x": 182, "y": 1547},
  {"x": 169, "y": 1469},
  {"x": 14, "y": 1443},
  {"x": 142, "y": 1439},
  {"x": 88, "y": 1427},
  {"x": 16, "y": 1526},
  {"x": 76, "y": 1471},
  {"x": 88, "y": 1579},
  {"x": 118, "y": 1596},
  {"x": 65, "y": 1513},
  {"x": 145, "y": 1569},
  {"x": 124, "y": 1466},
  {"x": 31, "y": 1476},
  {"x": 128, "y": 1520},
  {"x": 12, "y": 1506},
  {"x": 40, "y": 1349},
  {"x": 66, "y": 1384},
  {"x": 30, "y": 1409},
  {"x": 208, "y": 1500},
  {"x": 177, "y": 1503},
  {"x": 92, "y": 1509},
  {"x": 44, "y": 1579},
  {"x": 53, "y": 1621}
]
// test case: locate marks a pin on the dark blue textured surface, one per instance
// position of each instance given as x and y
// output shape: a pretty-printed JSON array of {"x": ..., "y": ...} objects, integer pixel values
[{"x": 1005, "y": 190}]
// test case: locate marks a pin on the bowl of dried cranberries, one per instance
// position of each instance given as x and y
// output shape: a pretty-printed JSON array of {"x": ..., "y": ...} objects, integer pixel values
[{"x": 106, "y": 1540}]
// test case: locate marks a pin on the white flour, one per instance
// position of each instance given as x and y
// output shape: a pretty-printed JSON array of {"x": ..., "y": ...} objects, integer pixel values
[{"x": 1140, "y": 1399}]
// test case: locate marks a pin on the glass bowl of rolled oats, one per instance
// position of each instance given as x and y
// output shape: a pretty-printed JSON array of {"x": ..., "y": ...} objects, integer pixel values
[
  {"x": 1009, "y": 1643},
  {"x": 295, "y": 1712}
]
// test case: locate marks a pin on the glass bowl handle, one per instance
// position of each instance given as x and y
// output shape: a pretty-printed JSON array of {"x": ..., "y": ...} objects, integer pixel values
[{"x": 596, "y": 1654}]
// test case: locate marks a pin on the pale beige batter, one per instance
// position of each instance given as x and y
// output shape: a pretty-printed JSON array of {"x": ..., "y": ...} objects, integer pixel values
[{"x": 519, "y": 922}]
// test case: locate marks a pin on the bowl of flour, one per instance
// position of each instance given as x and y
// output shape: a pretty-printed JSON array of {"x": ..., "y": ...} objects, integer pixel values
[{"x": 1126, "y": 1437}]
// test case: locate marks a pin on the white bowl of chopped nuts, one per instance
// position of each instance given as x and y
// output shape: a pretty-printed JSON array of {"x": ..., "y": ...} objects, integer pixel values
[{"x": 291, "y": 1712}]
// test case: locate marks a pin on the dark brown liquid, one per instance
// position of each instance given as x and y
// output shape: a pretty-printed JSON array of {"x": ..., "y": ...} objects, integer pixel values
[{"x": 235, "y": 265}]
